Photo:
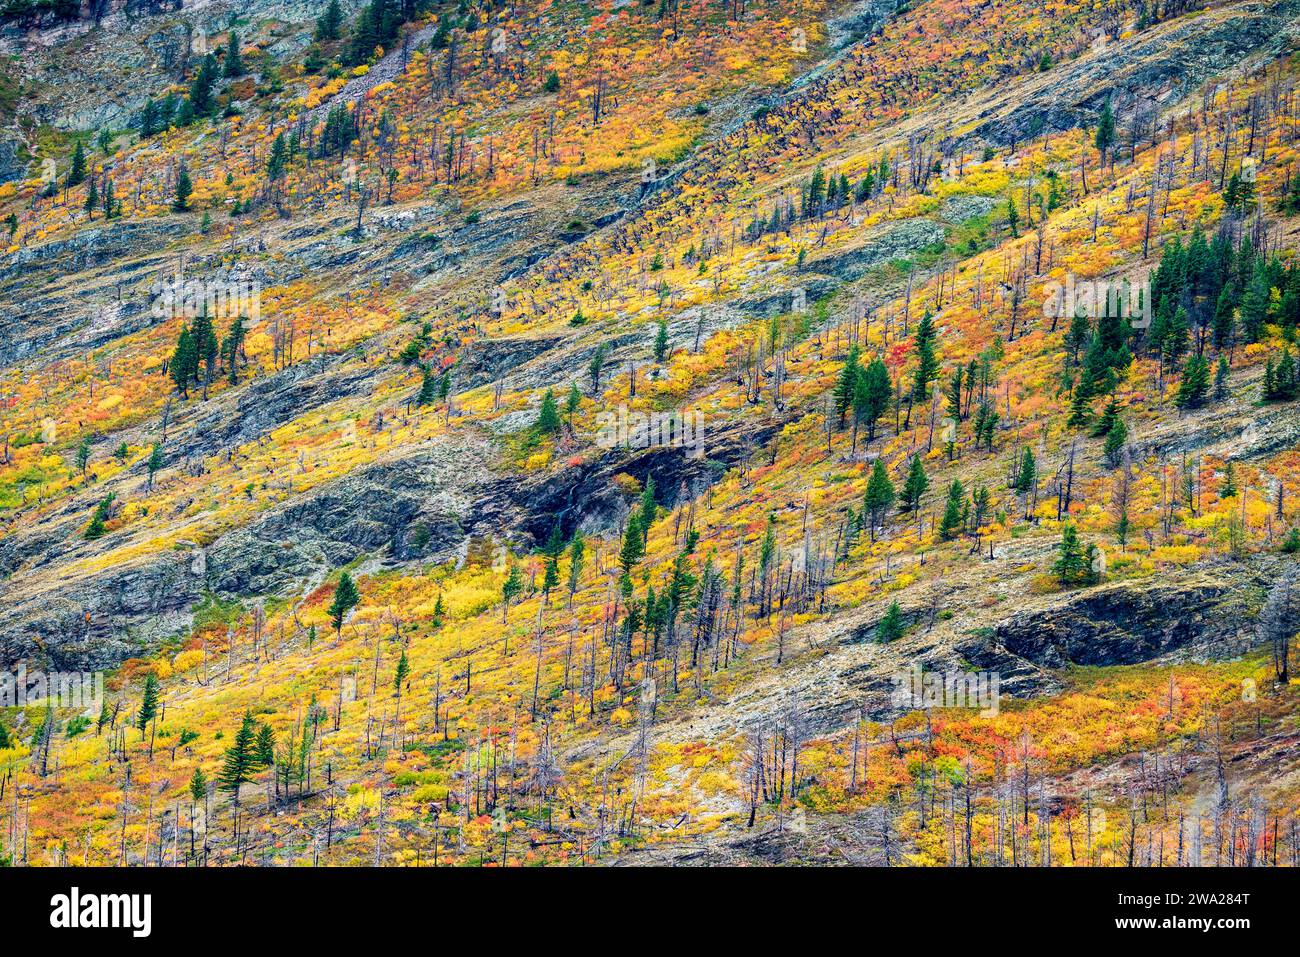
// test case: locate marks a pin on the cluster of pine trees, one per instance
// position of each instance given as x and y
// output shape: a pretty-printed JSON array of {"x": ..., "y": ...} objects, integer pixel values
[
  {"x": 199, "y": 355},
  {"x": 821, "y": 194},
  {"x": 340, "y": 131},
  {"x": 1215, "y": 292},
  {"x": 1204, "y": 295},
  {"x": 201, "y": 101},
  {"x": 1281, "y": 384}
]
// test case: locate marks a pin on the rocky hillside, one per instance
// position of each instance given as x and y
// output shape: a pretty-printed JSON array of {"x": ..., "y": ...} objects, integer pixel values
[{"x": 565, "y": 433}]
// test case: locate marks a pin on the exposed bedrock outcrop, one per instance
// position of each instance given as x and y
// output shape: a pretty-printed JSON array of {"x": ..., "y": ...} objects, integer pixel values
[
  {"x": 1159, "y": 65},
  {"x": 1206, "y": 614}
]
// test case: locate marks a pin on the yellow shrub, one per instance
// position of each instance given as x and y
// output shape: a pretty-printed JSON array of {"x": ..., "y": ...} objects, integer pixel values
[
  {"x": 186, "y": 660},
  {"x": 429, "y": 792}
]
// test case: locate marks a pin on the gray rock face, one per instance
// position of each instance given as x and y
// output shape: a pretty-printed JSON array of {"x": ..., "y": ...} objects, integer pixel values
[
  {"x": 37, "y": 311},
  {"x": 814, "y": 287},
  {"x": 1207, "y": 616},
  {"x": 861, "y": 20},
  {"x": 896, "y": 242},
  {"x": 379, "y": 510},
  {"x": 423, "y": 505},
  {"x": 95, "y": 624},
  {"x": 959, "y": 209},
  {"x": 1154, "y": 65},
  {"x": 11, "y": 164},
  {"x": 488, "y": 360}
]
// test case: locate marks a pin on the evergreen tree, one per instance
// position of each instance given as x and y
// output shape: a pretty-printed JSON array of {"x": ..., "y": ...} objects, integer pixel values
[
  {"x": 184, "y": 187},
  {"x": 915, "y": 486},
  {"x": 954, "y": 512},
  {"x": 77, "y": 172},
  {"x": 1027, "y": 475},
  {"x": 155, "y": 463},
  {"x": 1071, "y": 566},
  {"x": 185, "y": 360},
  {"x": 92, "y": 198},
  {"x": 1080, "y": 407},
  {"x": 278, "y": 160},
  {"x": 649, "y": 510},
  {"x": 871, "y": 395},
  {"x": 313, "y": 60},
  {"x": 234, "y": 65},
  {"x": 980, "y": 500},
  {"x": 346, "y": 597},
  {"x": 149, "y": 120},
  {"x": 1108, "y": 418},
  {"x": 1221, "y": 379},
  {"x": 83, "y": 455},
  {"x": 204, "y": 337},
  {"x": 198, "y": 787},
  {"x": 111, "y": 210},
  {"x": 633, "y": 544},
  {"x": 1077, "y": 336},
  {"x": 264, "y": 751},
  {"x": 148, "y": 703},
  {"x": 927, "y": 364},
  {"x": 1280, "y": 379},
  {"x": 510, "y": 588},
  {"x": 401, "y": 673},
  {"x": 230, "y": 349},
  {"x": 554, "y": 542},
  {"x": 1229, "y": 487},
  {"x": 1105, "y": 135},
  {"x": 890, "y": 627},
  {"x": 572, "y": 403},
  {"x": 953, "y": 393},
  {"x": 1254, "y": 305},
  {"x": 1195, "y": 387},
  {"x": 553, "y": 548},
  {"x": 767, "y": 547},
  {"x": 99, "y": 518},
  {"x": 428, "y": 389},
  {"x": 550, "y": 574},
  {"x": 240, "y": 761},
  {"x": 815, "y": 194},
  {"x": 596, "y": 366},
  {"x": 846, "y": 383},
  {"x": 986, "y": 423},
  {"x": 374, "y": 27},
  {"x": 1096, "y": 366},
  {"x": 1113, "y": 447},
  {"x": 548, "y": 418},
  {"x": 661, "y": 342},
  {"x": 201, "y": 99},
  {"x": 1287, "y": 384},
  {"x": 1175, "y": 342},
  {"x": 329, "y": 23}
]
